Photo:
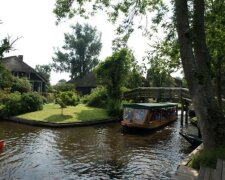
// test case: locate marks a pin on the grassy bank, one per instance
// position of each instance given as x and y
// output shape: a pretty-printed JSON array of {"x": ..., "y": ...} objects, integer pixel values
[{"x": 80, "y": 113}]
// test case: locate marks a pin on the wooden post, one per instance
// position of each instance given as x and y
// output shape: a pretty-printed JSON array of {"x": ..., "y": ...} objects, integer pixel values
[
  {"x": 177, "y": 111},
  {"x": 186, "y": 112},
  {"x": 182, "y": 112}
]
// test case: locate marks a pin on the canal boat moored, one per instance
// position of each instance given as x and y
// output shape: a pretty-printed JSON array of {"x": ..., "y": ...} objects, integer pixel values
[{"x": 148, "y": 116}]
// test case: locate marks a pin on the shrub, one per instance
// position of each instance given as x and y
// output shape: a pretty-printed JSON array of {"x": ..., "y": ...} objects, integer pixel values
[
  {"x": 12, "y": 104},
  {"x": 50, "y": 97},
  {"x": 3, "y": 95},
  {"x": 21, "y": 85},
  {"x": 2, "y": 110},
  {"x": 69, "y": 98},
  {"x": 207, "y": 158},
  {"x": 97, "y": 98},
  {"x": 31, "y": 102},
  {"x": 114, "y": 107},
  {"x": 63, "y": 87}
]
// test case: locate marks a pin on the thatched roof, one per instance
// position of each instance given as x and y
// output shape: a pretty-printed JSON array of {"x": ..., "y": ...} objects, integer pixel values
[
  {"x": 89, "y": 80},
  {"x": 16, "y": 64}
]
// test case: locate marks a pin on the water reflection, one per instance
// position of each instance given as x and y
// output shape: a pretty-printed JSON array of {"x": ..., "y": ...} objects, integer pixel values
[{"x": 97, "y": 152}]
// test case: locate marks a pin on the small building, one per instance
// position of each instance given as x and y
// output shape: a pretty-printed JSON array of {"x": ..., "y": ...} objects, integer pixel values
[
  {"x": 19, "y": 68},
  {"x": 85, "y": 84}
]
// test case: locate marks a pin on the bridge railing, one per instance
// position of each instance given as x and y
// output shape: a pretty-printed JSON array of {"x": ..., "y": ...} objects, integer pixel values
[{"x": 159, "y": 93}]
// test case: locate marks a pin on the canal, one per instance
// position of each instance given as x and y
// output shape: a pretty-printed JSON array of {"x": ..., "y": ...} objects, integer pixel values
[{"x": 96, "y": 152}]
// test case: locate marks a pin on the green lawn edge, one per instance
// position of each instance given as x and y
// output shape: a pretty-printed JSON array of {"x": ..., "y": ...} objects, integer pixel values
[{"x": 51, "y": 113}]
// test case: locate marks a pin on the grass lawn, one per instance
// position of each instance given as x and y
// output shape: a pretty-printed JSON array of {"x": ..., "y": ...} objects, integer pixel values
[{"x": 80, "y": 113}]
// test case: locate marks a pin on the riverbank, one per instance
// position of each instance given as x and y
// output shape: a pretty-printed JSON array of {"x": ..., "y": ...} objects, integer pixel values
[
  {"x": 183, "y": 170},
  {"x": 50, "y": 116}
]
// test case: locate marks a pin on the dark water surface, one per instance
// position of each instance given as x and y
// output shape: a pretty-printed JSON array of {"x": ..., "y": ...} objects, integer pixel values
[{"x": 97, "y": 152}]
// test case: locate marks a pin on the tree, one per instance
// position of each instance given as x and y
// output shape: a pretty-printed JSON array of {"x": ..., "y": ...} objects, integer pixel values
[
  {"x": 215, "y": 36},
  {"x": 6, "y": 44},
  {"x": 135, "y": 77},
  {"x": 196, "y": 64},
  {"x": 44, "y": 71},
  {"x": 5, "y": 77},
  {"x": 80, "y": 52},
  {"x": 63, "y": 86},
  {"x": 113, "y": 72},
  {"x": 196, "y": 60}
]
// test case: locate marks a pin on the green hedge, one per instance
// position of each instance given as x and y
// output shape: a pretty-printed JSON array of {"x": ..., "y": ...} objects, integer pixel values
[
  {"x": 97, "y": 98},
  {"x": 16, "y": 103}
]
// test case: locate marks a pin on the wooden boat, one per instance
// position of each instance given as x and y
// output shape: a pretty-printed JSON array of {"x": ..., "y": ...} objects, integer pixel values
[
  {"x": 2, "y": 143},
  {"x": 192, "y": 139},
  {"x": 148, "y": 116}
]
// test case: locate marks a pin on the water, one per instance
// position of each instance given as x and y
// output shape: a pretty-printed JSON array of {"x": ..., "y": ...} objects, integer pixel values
[{"x": 96, "y": 152}]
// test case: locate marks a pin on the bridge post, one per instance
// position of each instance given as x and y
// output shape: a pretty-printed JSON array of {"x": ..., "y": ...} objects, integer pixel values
[
  {"x": 186, "y": 111},
  {"x": 182, "y": 112}
]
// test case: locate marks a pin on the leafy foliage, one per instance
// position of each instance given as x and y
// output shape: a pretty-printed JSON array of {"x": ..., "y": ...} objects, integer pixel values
[
  {"x": 97, "y": 98},
  {"x": 44, "y": 71},
  {"x": 157, "y": 76},
  {"x": 68, "y": 98},
  {"x": 20, "y": 84},
  {"x": 215, "y": 34},
  {"x": 112, "y": 73},
  {"x": 130, "y": 10},
  {"x": 12, "y": 104},
  {"x": 31, "y": 102},
  {"x": 5, "y": 77},
  {"x": 80, "y": 52},
  {"x": 207, "y": 158},
  {"x": 114, "y": 107},
  {"x": 135, "y": 76},
  {"x": 64, "y": 86},
  {"x": 8, "y": 81}
]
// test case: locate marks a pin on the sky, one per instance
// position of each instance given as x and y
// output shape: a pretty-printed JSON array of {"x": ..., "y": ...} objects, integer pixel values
[{"x": 34, "y": 22}]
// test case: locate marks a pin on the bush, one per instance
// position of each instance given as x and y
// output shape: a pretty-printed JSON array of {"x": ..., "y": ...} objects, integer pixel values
[
  {"x": 12, "y": 104},
  {"x": 21, "y": 85},
  {"x": 31, "y": 102},
  {"x": 50, "y": 97},
  {"x": 64, "y": 87},
  {"x": 97, "y": 98},
  {"x": 207, "y": 158},
  {"x": 3, "y": 95},
  {"x": 114, "y": 108},
  {"x": 69, "y": 98},
  {"x": 2, "y": 110}
]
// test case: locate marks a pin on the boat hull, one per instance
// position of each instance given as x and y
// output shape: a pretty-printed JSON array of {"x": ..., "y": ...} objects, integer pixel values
[
  {"x": 2, "y": 143},
  {"x": 192, "y": 139},
  {"x": 150, "y": 126}
]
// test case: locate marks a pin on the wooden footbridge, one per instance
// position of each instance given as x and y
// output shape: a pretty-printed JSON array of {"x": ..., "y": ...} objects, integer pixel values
[{"x": 162, "y": 94}]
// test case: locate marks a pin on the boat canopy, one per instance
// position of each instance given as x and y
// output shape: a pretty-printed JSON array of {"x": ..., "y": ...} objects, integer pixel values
[{"x": 149, "y": 105}]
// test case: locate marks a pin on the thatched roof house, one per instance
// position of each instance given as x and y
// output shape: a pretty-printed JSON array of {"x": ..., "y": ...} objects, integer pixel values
[
  {"x": 85, "y": 84},
  {"x": 19, "y": 68}
]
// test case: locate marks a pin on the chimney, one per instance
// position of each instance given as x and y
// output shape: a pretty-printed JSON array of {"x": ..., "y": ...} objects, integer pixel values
[{"x": 20, "y": 58}]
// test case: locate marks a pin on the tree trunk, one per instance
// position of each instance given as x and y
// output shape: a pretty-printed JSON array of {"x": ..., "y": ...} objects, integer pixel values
[{"x": 196, "y": 64}]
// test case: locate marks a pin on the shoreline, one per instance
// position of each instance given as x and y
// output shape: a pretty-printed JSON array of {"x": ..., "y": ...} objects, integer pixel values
[{"x": 59, "y": 125}]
